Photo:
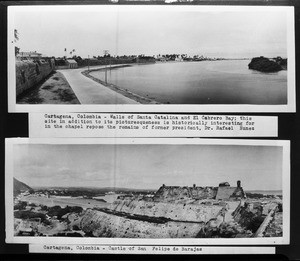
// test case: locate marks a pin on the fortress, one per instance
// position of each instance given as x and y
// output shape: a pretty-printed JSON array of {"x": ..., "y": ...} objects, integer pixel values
[
  {"x": 172, "y": 212},
  {"x": 223, "y": 192}
]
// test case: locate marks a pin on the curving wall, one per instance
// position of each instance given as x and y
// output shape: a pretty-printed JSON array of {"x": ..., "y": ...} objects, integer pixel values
[{"x": 30, "y": 73}]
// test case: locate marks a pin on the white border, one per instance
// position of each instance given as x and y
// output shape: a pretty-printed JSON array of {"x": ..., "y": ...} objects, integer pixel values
[
  {"x": 9, "y": 171},
  {"x": 211, "y": 250},
  {"x": 290, "y": 107}
]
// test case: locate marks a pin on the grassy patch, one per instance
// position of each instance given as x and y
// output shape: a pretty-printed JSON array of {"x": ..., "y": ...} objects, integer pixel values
[
  {"x": 54, "y": 90},
  {"x": 34, "y": 100},
  {"x": 47, "y": 87}
]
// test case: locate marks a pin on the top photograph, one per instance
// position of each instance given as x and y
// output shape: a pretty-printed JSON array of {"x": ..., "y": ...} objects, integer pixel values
[{"x": 110, "y": 58}]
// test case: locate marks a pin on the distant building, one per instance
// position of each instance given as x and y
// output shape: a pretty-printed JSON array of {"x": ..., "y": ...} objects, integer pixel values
[
  {"x": 32, "y": 55},
  {"x": 223, "y": 192},
  {"x": 72, "y": 64},
  {"x": 161, "y": 58},
  {"x": 227, "y": 192},
  {"x": 179, "y": 59}
]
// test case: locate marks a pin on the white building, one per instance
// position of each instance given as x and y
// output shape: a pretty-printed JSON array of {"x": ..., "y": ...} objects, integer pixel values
[
  {"x": 29, "y": 54},
  {"x": 72, "y": 63}
]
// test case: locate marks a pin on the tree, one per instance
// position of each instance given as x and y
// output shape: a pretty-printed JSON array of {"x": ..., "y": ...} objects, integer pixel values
[
  {"x": 16, "y": 36},
  {"x": 17, "y": 50}
]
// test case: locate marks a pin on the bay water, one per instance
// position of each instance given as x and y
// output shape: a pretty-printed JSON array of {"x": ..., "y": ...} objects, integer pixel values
[{"x": 205, "y": 82}]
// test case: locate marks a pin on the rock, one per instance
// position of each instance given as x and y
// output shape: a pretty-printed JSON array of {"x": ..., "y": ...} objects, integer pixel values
[{"x": 264, "y": 64}]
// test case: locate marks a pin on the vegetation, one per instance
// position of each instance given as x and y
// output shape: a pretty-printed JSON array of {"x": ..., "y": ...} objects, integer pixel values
[
  {"x": 107, "y": 59},
  {"x": 16, "y": 36},
  {"x": 59, "y": 212},
  {"x": 68, "y": 234},
  {"x": 259, "y": 195},
  {"x": 20, "y": 206},
  {"x": 264, "y": 64},
  {"x": 225, "y": 230},
  {"x": 27, "y": 214},
  {"x": 72, "y": 193},
  {"x": 53, "y": 89}
]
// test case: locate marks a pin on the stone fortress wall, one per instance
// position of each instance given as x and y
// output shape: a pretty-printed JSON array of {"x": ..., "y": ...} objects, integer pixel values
[
  {"x": 184, "y": 204},
  {"x": 31, "y": 72},
  {"x": 100, "y": 224},
  {"x": 223, "y": 192},
  {"x": 179, "y": 211}
]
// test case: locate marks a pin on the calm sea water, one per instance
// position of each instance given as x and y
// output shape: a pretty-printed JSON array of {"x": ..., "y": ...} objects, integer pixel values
[
  {"x": 267, "y": 192},
  {"x": 207, "y": 82}
]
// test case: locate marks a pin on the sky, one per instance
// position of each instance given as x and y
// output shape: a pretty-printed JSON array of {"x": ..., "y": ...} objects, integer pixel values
[
  {"x": 130, "y": 31},
  {"x": 148, "y": 166}
]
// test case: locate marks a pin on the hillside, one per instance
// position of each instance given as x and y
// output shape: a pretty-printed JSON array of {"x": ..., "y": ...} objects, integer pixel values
[{"x": 20, "y": 187}]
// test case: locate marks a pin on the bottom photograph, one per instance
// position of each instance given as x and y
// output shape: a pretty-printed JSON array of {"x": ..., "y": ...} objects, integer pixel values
[{"x": 189, "y": 191}]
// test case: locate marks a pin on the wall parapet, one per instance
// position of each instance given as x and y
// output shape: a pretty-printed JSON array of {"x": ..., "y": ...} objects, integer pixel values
[{"x": 223, "y": 192}]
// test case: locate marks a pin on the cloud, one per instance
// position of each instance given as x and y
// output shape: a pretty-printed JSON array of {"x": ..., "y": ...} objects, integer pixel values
[{"x": 62, "y": 169}]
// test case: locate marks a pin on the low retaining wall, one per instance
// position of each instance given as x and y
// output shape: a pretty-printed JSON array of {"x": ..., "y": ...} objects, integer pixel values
[{"x": 29, "y": 73}]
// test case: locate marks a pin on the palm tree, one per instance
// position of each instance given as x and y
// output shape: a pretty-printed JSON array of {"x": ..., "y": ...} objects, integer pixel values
[{"x": 16, "y": 36}]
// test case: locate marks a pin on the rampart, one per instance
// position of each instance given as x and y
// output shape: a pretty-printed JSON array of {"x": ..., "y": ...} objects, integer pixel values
[
  {"x": 100, "y": 224},
  {"x": 29, "y": 73},
  {"x": 175, "y": 193},
  {"x": 179, "y": 211}
]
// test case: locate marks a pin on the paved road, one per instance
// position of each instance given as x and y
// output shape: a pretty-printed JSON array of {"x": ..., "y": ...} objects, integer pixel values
[{"x": 91, "y": 92}]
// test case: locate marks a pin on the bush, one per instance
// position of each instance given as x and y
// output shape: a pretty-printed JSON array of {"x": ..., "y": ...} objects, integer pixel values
[
  {"x": 44, "y": 208},
  {"x": 60, "y": 62},
  {"x": 74, "y": 234},
  {"x": 47, "y": 222},
  {"x": 75, "y": 227},
  {"x": 59, "y": 212},
  {"x": 53, "y": 211},
  {"x": 28, "y": 215},
  {"x": 20, "y": 206},
  {"x": 263, "y": 64}
]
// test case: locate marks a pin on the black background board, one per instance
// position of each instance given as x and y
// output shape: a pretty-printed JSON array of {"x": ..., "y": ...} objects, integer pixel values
[{"x": 16, "y": 125}]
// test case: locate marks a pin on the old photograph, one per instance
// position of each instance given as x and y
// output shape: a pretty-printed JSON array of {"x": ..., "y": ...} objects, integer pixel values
[
  {"x": 170, "y": 58},
  {"x": 175, "y": 191}
]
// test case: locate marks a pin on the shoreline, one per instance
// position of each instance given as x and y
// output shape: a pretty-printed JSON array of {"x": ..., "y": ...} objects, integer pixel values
[
  {"x": 151, "y": 99},
  {"x": 122, "y": 91}
]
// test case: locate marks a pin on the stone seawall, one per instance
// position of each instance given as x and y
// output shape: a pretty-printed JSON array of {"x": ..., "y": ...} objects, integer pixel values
[
  {"x": 178, "y": 211},
  {"x": 30, "y": 73},
  {"x": 99, "y": 224}
]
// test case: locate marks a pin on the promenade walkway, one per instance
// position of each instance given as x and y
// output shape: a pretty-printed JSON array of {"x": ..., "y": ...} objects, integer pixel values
[{"x": 91, "y": 92}]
